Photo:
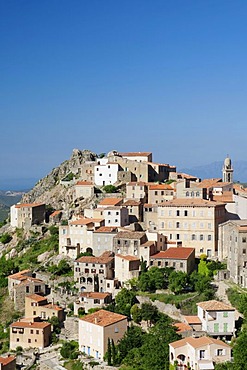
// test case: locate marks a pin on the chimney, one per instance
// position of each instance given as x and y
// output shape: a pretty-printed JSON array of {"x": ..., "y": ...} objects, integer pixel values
[{"x": 95, "y": 320}]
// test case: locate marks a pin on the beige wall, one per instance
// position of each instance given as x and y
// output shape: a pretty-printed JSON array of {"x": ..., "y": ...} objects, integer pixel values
[
  {"x": 32, "y": 337},
  {"x": 195, "y": 227}
]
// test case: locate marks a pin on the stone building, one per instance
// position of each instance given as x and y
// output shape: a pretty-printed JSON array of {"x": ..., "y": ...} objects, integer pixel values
[
  {"x": 27, "y": 214},
  {"x": 181, "y": 259}
]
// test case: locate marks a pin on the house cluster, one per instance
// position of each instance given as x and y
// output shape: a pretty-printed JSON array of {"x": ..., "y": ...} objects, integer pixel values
[
  {"x": 160, "y": 216},
  {"x": 33, "y": 330}
]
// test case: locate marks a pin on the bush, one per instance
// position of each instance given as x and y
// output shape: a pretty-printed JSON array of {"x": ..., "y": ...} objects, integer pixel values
[
  {"x": 5, "y": 238},
  {"x": 110, "y": 189}
]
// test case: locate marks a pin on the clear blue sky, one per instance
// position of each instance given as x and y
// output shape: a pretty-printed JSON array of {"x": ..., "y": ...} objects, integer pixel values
[{"x": 164, "y": 76}]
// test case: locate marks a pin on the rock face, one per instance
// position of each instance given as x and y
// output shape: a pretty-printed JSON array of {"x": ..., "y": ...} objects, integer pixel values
[{"x": 50, "y": 191}]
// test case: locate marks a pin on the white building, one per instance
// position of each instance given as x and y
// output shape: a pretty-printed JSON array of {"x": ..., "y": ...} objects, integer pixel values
[
  {"x": 106, "y": 174},
  {"x": 97, "y": 328},
  {"x": 116, "y": 216}
]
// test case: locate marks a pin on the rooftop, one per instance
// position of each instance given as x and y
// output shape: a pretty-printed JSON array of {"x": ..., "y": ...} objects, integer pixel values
[
  {"x": 103, "y": 259},
  {"x": 104, "y": 318},
  {"x": 110, "y": 202},
  {"x": 7, "y": 360},
  {"x": 84, "y": 183},
  {"x": 192, "y": 320},
  {"x": 30, "y": 324},
  {"x": 182, "y": 327},
  {"x": 198, "y": 342},
  {"x": 95, "y": 295},
  {"x": 106, "y": 229},
  {"x": 86, "y": 221},
  {"x": 36, "y": 298},
  {"x": 20, "y": 275},
  {"x": 135, "y": 154},
  {"x": 215, "y": 306},
  {"x": 130, "y": 234},
  {"x": 131, "y": 202},
  {"x": 174, "y": 253},
  {"x": 190, "y": 202},
  {"x": 161, "y": 187},
  {"x": 55, "y": 213},
  {"x": 29, "y": 205},
  {"x": 128, "y": 258}
]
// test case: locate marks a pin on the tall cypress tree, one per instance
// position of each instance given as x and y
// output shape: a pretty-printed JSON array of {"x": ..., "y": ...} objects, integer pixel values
[{"x": 109, "y": 354}]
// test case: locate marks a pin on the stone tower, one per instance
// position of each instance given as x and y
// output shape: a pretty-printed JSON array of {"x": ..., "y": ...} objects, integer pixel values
[{"x": 227, "y": 170}]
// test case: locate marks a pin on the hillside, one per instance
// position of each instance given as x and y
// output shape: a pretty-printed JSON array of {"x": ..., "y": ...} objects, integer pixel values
[{"x": 49, "y": 190}]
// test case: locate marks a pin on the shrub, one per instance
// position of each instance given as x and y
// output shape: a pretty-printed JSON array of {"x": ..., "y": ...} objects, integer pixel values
[{"x": 5, "y": 238}]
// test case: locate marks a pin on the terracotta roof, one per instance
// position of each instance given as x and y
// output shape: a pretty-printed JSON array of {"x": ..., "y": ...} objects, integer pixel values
[
  {"x": 186, "y": 176},
  {"x": 55, "y": 213},
  {"x": 192, "y": 320},
  {"x": 30, "y": 205},
  {"x": 20, "y": 275},
  {"x": 53, "y": 307},
  {"x": 86, "y": 221},
  {"x": 95, "y": 295},
  {"x": 161, "y": 187},
  {"x": 7, "y": 360},
  {"x": 130, "y": 234},
  {"x": 138, "y": 183},
  {"x": 128, "y": 258},
  {"x": 106, "y": 229},
  {"x": 103, "y": 259},
  {"x": 110, "y": 202},
  {"x": 36, "y": 297},
  {"x": 198, "y": 342},
  {"x": 27, "y": 279},
  {"x": 215, "y": 306},
  {"x": 174, "y": 253},
  {"x": 131, "y": 202},
  {"x": 224, "y": 198},
  {"x": 149, "y": 205},
  {"x": 30, "y": 324},
  {"x": 104, "y": 318},
  {"x": 190, "y": 202},
  {"x": 84, "y": 183},
  {"x": 208, "y": 183},
  {"x": 135, "y": 154},
  {"x": 182, "y": 327},
  {"x": 148, "y": 243}
]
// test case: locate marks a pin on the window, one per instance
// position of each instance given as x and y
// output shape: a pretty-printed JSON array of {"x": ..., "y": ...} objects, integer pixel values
[
  {"x": 159, "y": 263},
  {"x": 219, "y": 352},
  {"x": 178, "y": 236},
  {"x": 181, "y": 265},
  {"x": 17, "y": 339},
  {"x": 31, "y": 331},
  {"x": 225, "y": 314},
  {"x": 225, "y": 327},
  {"x": 178, "y": 212},
  {"x": 244, "y": 240},
  {"x": 202, "y": 354},
  {"x": 209, "y": 238},
  {"x": 155, "y": 193},
  {"x": 109, "y": 212},
  {"x": 116, "y": 329},
  {"x": 34, "y": 313},
  {"x": 27, "y": 289},
  {"x": 244, "y": 251},
  {"x": 162, "y": 225},
  {"x": 201, "y": 237},
  {"x": 185, "y": 213},
  {"x": 37, "y": 331},
  {"x": 193, "y": 237},
  {"x": 29, "y": 340},
  {"x": 177, "y": 225},
  {"x": 187, "y": 194},
  {"x": 170, "y": 237},
  {"x": 96, "y": 301}
]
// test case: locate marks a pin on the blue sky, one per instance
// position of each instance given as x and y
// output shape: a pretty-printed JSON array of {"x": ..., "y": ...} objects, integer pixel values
[{"x": 164, "y": 76}]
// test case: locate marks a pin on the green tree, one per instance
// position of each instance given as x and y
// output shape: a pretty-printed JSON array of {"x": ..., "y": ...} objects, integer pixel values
[
  {"x": 125, "y": 299},
  {"x": 5, "y": 238},
  {"x": 110, "y": 189},
  {"x": 69, "y": 350},
  {"x": 133, "y": 338},
  {"x": 109, "y": 354},
  {"x": 149, "y": 313},
  {"x": 136, "y": 314},
  {"x": 240, "y": 351},
  {"x": 178, "y": 280}
]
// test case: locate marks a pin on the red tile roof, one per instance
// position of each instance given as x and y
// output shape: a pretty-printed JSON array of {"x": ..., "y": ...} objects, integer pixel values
[
  {"x": 36, "y": 297},
  {"x": 7, "y": 360},
  {"x": 55, "y": 213},
  {"x": 104, "y": 318},
  {"x": 161, "y": 187},
  {"x": 131, "y": 202},
  {"x": 30, "y": 324},
  {"x": 106, "y": 229},
  {"x": 30, "y": 205},
  {"x": 128, "y": 258},
  {"x": 182, "y": 327},
  {"x": 215, "y": 306},
  {"x": 135, "y": 154},
  {"x": 174, "y": 253},
  {"x": 192, "y": 320},
  {"x": 95, "y": 295},
  {"x": 86, "y": 221},
  {"x": 103, "y": 259},
  {"x": 190, "y": 202},
  {"x": 198, "y": 342},
  {"x": 20, "y": 275},
  {"x": 84, "y": 183},
  {"x": 110, "y": 202}
]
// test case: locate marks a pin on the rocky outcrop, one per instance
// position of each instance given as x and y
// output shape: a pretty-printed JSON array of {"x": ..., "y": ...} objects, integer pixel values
[{"x": 49, "y": 190}]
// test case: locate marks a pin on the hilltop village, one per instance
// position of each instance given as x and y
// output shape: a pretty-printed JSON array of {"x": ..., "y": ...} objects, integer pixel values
[{"x": 116, "y": 261}]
